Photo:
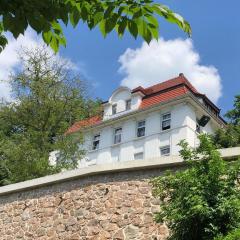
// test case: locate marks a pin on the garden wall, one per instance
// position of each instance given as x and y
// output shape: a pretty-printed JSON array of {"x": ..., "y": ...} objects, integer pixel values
[
  {"x": 100, "y": 202},
  {"x": 115, "y": 205}
]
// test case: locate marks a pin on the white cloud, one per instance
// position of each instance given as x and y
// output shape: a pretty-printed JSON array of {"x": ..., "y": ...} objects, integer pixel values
[
  {"x": 9, "y": 60},
  {"x": 163, "y": 60}
]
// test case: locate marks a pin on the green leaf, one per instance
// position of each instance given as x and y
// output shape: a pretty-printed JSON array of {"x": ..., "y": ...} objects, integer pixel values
[
  {"x": 102, "y": 27},
  {"x": 108, "y": 11},
  {"x": 62, "y": 41},
  {"x": 143, "y": 30},
  {"x": 152, "y": 20},
  {"x": 75, "y": 17},
  {"x": 3, "y": 42},
  {"x": 98, "y": 17},
  {"x": 137, "y": 14},
  {"x": 111, "y": 23},
  {"x": 36, "y": 24},
  {"x": 122, "y": 26},
  {"x": 133, "y": 29},
  {"x": 84, "y": 13},
  {"x": 154, "y": 31},
  {"x": 172, "y": 17},
  {"x": 54, "y": 44},
  {"x": 9, "y": 24},
  {"x": 47, "y": 36}
]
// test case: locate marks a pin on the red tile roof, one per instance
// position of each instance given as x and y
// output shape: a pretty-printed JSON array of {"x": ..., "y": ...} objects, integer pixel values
[
  {"x": 155, "y": 94},
  {"x": 180, "y": 80},
  {"x": 156, "y": 98},
  {"x": 84, "y": 123}
]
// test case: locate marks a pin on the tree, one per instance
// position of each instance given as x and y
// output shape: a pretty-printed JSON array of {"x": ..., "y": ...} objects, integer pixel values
[
  {"x": 139, "y": 17},
  {"x": 48, "y": 98},
  {"x": 234, "y": 114},
  {"x": 230, "y": 136},
  {"x": 202, "y": 200}
]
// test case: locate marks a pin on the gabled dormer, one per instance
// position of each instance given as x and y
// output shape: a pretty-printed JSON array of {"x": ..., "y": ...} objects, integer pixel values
[{"x": 122, "y": 101}]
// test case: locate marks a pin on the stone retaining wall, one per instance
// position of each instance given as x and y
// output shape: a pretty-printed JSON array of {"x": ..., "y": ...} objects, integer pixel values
[{"x": 107, "y": 206}]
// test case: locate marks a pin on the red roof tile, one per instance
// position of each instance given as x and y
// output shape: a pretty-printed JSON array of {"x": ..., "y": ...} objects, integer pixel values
[
  {"x": 84, "y": 123},
  {"x": 166, "y": 85},
  {"x": 164, "y": 96}
]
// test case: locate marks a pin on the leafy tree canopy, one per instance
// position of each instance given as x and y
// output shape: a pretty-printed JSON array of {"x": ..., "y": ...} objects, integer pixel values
[
  {"x": 230, "y": 136},
  {"x": 48, "y": 98},
  {"x": 202, "y": 201},
  {"x": 139, "y": 17}
]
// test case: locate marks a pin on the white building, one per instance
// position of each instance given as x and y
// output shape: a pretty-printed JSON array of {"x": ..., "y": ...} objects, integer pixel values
[{"x": 146, "y": 123}]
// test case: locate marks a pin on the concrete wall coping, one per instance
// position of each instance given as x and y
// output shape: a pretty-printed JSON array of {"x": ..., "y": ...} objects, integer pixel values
[{"x": 159, "y": 162}]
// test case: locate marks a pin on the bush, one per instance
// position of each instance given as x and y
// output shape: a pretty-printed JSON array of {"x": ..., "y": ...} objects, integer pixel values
[{"x": 233, "y": 235}]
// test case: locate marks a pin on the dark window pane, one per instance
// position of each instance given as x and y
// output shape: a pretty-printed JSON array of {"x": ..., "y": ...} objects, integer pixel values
[
  {"x": 96, "y": 141},
  {"x": 141, "y": 123},
  {"x": 128, "y": 104},
  {"x": 114, "y": 109},
  {"x": 138, "y": 156},
  {"x": 141, "y": 132},
  {"x": 165, "y": 151},
  {"x": 166, "y": 124},
  {"x": 117, "y": 136}
]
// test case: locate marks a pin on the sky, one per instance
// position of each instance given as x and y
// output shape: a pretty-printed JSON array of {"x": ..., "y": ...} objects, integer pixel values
[{"x": 210, "y": 59}]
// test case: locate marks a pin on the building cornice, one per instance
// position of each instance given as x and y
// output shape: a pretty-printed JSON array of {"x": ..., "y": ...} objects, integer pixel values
[{"x": 153, "y": 163}]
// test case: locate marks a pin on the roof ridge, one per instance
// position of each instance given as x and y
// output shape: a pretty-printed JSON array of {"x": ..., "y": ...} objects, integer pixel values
[{"x": 181, "y": 79}]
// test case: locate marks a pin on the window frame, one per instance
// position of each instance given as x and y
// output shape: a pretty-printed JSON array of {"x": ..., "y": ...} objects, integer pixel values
[
  {"x": 164, "y": 148},
  {"x": 128, "y": 104},
  {"x": 96, "y": 147},
  {"x": 166, "y": 120},
  {"x": 114, "y": 109},
  {"x": 140, "y": 127},
  {"x": 115, "y": 135}
]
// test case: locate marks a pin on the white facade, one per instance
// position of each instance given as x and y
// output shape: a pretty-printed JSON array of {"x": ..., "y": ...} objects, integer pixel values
[{"x": 151, "y": 140}]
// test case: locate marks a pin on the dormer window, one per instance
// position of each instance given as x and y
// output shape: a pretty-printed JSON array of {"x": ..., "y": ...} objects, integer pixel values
[
  {"x": 128, "y": 104},
  {"x": 114, "y": 109}
]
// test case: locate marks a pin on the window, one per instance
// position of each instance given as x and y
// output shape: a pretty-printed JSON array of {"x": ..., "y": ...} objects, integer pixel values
[
  {"x": 96, "y": 141},
  {"x": 114, "y": 109},
  {"x": 165, "y": 151},
  {"x": 117, "y": 135},
  {"x": 141, "y": 128},
  {"x": 166, "y": 121},
  {"x": 138, "y": 156},
  {"x": 128, "y": 104}
]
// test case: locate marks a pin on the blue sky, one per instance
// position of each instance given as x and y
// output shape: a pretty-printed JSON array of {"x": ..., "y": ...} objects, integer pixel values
[
  {"x": 210, "y": 59},
  {"x": 216, "y": 38}
]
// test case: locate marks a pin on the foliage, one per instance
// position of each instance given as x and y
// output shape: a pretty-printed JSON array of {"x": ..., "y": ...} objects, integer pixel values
[
  {"x": 139, "y": 17},
  {"x": 4, "y": 174},
  {"x": 48, "y": 98},
  {"x": 234, "y": 114},
  {"x": 233, "y": 235},
  {"x": 230, "y": 136},
  {"x": 202, "y": 200}
]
